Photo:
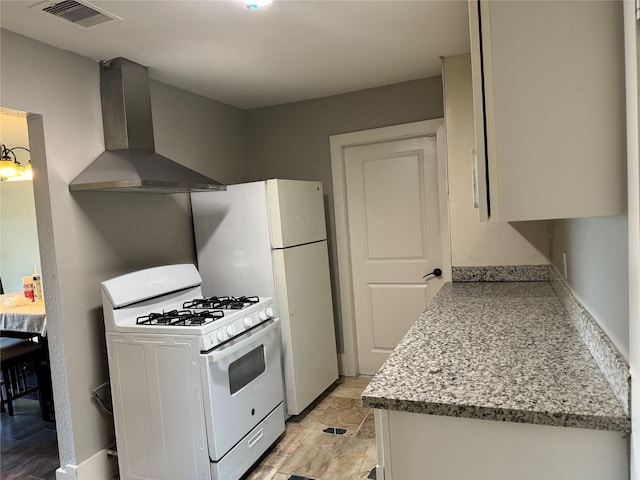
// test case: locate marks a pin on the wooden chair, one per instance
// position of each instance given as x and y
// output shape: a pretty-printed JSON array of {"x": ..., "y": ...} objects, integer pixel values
[{"x": 15, "y": 356}]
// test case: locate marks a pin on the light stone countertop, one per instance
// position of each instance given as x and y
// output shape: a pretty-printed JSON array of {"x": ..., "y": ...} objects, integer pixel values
[{"x": 503, "y": 351}]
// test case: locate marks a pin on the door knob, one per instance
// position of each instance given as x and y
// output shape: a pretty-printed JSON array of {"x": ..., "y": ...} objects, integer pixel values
[{"x": 436, "y": 272}]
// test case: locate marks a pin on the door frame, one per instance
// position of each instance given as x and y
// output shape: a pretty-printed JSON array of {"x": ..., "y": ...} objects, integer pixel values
[{"x": 348, "y": 360}]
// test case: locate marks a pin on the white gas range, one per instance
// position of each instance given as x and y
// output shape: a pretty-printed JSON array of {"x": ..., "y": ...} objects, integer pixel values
[{"x": 196, "y": 382}]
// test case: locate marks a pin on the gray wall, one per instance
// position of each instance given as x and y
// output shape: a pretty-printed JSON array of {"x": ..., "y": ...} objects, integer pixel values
[
  {"x": 598, "y": 269},
  {"x": 207, "y": 136},
  {"x": 89, "y": 237},
  {"x": 292, "y": 140}
]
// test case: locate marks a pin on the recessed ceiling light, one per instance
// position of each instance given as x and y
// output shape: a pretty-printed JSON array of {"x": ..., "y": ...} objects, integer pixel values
[{"x": 257, "y": 3}]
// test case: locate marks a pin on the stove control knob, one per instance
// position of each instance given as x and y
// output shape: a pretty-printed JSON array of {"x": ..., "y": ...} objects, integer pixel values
[
  {"x": 220, "y": 336},
  {"x": 247, "y": 322},
  {"x": 231, "y": 330},
  {"x": 263, "y": 315},
  {"x": 269, "y": 311}
]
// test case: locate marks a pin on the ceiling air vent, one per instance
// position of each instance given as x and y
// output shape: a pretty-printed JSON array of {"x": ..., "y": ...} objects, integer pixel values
[{"x": 78, "y": 13}]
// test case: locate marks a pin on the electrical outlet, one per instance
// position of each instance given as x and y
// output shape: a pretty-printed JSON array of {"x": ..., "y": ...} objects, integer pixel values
[{"x": 564, "y": 265}]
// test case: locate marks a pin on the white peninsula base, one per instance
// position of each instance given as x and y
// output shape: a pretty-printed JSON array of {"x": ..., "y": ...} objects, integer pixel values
[{"x": 413, "y": 446}]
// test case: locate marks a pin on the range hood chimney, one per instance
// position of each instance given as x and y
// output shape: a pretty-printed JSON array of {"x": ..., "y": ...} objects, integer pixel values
[{"x": 130, "y": 163}]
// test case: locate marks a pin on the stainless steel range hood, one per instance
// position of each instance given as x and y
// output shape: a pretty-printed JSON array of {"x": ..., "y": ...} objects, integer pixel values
[{"x": 130, "y": 163}]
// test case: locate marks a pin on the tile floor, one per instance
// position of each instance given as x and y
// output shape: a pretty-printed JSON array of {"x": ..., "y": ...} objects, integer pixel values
[{"x": 309, "y": 449}]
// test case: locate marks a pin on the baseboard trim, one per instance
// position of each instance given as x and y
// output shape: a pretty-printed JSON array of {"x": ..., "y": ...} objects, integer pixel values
[{"x": 99, "y": 466}]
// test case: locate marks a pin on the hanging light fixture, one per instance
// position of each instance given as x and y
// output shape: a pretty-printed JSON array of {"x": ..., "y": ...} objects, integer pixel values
[
  {"x": 10, "y": 168},
  {"x": 28, "y": 173}
]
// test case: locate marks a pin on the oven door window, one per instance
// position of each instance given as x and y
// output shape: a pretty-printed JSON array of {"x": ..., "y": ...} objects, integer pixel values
[{"x": 244, "y": 370}]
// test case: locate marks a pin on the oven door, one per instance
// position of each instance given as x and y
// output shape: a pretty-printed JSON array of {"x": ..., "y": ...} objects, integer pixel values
[{"x": 242, "y": 384}]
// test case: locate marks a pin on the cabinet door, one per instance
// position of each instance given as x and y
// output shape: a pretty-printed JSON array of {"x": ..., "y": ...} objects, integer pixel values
[
  {"x": 549, "y": 103},
  {"x": 479, "y": 154}
]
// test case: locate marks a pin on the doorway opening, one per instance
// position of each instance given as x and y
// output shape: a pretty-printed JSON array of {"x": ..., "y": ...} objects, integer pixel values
[{"x": 29, "y": 445}]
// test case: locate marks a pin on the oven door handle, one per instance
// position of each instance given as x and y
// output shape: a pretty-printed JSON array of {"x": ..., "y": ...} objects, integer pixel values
[{"x": 254, "y": 336}]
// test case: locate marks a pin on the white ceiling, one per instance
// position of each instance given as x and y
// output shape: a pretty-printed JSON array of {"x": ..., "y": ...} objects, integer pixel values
[{"x": 288, "y": 51}]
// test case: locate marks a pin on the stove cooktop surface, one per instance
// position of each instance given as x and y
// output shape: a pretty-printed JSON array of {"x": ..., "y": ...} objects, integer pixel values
[
  {"x": 183, "y": 318},
  {"x": 213, "y": 319},
  {"x": 225, "y": 303},
  {"x": 199, "y": 311}
]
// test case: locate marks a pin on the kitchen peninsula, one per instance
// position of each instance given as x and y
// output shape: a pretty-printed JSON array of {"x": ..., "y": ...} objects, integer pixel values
[{"x": 494, "y": 381}]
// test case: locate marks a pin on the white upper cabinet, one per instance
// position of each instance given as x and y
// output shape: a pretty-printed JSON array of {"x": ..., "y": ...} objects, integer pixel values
[{"x": 549, "y": 106}]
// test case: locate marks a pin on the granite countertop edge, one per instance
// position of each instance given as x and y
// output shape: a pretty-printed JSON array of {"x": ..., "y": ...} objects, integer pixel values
[
  {"x": 555, "y": 419},
  {"x": 396, "y": 385}
]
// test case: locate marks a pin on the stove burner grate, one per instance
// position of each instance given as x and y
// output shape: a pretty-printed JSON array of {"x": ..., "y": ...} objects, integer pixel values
[
  {"x": 226, "y": 303},
  {"x": 182, "y": 318}
]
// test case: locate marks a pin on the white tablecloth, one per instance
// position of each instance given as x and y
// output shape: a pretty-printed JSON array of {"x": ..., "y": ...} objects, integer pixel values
[{"x": 29, "y": 318}]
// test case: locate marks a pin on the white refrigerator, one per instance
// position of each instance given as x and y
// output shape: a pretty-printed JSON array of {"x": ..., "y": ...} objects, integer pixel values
[{"x": 269, "y": 238}]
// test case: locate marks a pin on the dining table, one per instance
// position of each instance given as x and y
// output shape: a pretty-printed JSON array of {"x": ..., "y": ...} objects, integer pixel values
[{"x": 22, "y": 318}]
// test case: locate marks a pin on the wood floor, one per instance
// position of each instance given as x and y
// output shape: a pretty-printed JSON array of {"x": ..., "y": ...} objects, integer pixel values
[
  {"x": 334, "y": 439},
  {"x": 28, "y": 445}
]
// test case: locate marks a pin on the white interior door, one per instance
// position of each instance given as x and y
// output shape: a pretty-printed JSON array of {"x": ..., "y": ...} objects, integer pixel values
[{"x": 394, "y": 234}]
